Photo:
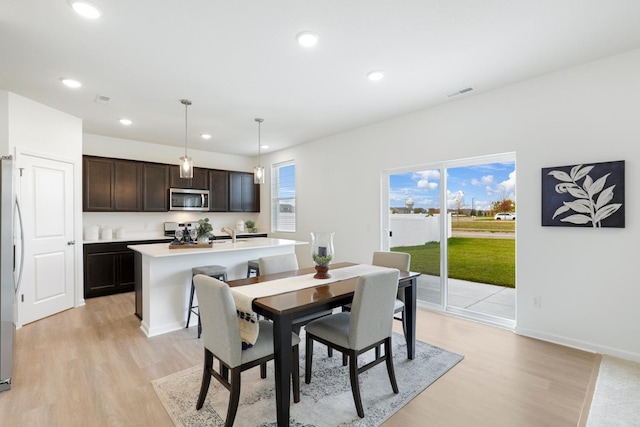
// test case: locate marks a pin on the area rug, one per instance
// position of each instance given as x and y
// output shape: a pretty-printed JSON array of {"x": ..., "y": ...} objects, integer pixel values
[
  {"x": 326, "y": 402},
  {"x": 616, "y": 398}
]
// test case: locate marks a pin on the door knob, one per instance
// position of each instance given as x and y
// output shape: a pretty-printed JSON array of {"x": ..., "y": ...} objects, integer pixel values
[{"x": 71, "y": 242}]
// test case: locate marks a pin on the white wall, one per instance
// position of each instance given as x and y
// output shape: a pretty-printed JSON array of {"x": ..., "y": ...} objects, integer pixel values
[
  {"x": 586, "y": 278},
  {"x": 35, "y": 128}
]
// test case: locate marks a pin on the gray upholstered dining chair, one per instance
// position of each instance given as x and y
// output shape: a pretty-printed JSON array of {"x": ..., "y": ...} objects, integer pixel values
[
  {"x": 288, "y": 262},
  {"x": 221, "y": 337},
  {"x": 367, "y": 326},
  {"x": 401, "y": 261},
  {"x": 277, "y": 263}
]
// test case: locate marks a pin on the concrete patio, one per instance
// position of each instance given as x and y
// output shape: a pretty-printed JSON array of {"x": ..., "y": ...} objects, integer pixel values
[{"x": 479, "y": 297}]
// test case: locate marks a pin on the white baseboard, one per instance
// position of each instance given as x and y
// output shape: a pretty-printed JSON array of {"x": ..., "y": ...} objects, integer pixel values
[{"x": 578, "y": 344}]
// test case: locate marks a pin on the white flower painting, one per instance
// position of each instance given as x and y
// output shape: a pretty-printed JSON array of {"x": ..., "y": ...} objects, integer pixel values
[{"x": 584, "y": 195}]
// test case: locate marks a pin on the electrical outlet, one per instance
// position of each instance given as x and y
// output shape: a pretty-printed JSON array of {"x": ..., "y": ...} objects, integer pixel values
[{"x": 536, "y": 301}]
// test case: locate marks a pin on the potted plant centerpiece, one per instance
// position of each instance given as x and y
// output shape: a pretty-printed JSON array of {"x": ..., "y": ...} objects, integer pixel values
[
  {"x": 204, "y": 230},
  {"x": 251, "y": 226},
  {"x": 322, "y": 253}
]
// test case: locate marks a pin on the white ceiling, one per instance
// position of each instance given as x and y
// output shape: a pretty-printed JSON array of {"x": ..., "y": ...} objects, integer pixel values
[{"x": 238, "y": 60}]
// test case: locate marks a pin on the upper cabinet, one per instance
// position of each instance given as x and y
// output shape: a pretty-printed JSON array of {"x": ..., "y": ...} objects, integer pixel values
[
  {"x": 155, "y": 178},
  {"x": 126, "y": 184},
  {"x": 117, "y": 185},
  {"x": 244, "y": 195},
  {"x": 200, "y": 178},
  {"x": 97, "y": 184},
  {"x": 219, "y": 191},
  {"x": 111, "y": 185}
]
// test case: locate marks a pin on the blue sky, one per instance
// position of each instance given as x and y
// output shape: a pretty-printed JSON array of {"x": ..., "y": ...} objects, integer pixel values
[{"x": 485, "y": 183}]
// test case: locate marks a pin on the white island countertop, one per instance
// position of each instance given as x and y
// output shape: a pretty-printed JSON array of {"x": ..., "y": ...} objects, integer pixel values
[
  {"x": 164, "y": 276},
  {"x": 159, "y": 250}
]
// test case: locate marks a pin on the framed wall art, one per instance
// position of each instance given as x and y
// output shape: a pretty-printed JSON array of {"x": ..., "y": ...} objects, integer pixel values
[{"x": 586, "y": 195}]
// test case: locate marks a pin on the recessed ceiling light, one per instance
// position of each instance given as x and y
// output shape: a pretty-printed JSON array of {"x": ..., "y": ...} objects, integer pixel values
[
  {"x": 307, "y": 38},
  {"x": 205, "y": 136},
  {"x": 264, "y": 147},
  {"x": 375, "y": 75},
  {"x": 125, "y": 122},
  {"x": 74, "y": 84},
  {"x": 85, "y": 9}
]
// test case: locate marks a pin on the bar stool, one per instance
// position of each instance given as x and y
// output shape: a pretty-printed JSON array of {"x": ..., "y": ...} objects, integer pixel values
[
  {"x": 253, "y": 267},
  {"x": 217, "y": 272}
]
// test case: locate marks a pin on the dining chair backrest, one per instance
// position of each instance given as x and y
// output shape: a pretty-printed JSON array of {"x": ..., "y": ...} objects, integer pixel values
[
  {"x": 220, "y": 328},
  {"x": 372, "y": 308},
  {"x": 278, "y": 263},
  {"x": 399, "y": 260}
]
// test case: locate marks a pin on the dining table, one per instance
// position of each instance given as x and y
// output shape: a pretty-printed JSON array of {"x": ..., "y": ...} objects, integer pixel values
[{"x": 284, "y": 308}]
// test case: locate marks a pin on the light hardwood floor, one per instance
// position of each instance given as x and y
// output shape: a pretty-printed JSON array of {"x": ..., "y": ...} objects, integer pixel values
[{"x": 92, "y": 366}]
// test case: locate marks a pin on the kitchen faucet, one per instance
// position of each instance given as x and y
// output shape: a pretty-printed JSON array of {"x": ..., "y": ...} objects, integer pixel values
[{"x": 231, "y": 232}]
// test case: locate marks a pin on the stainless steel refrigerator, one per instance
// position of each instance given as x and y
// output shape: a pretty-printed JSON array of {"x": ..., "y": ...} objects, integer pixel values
[{"x": 9, "y": 284}]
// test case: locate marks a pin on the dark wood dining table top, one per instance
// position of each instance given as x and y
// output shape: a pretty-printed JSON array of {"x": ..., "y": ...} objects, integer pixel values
[{"x": 290, "y": 302}]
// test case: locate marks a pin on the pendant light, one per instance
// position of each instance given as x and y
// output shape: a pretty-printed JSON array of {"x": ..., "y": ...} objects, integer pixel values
[
  {"x": 258, "y": 171},
  {"x": 186, "y": 163}
]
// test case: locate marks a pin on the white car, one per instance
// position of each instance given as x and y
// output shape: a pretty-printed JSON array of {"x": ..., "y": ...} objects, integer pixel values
[{"x": 505, "y": 215}]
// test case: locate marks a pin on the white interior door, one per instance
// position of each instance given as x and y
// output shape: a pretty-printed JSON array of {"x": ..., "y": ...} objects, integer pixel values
[{"x": 46, "y": 197}]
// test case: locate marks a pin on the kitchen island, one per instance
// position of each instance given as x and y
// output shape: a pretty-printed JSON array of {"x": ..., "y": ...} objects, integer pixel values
[{"x": 163, "y": 275}]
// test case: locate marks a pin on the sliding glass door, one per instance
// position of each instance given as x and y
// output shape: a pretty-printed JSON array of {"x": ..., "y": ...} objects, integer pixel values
[{"x": 446, "y": 216}]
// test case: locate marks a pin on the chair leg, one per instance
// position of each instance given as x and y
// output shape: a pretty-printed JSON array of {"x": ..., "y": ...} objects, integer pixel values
[
  {"x": 345, "y": 359},
  {"x": 199, "y": 324},
  {"x": 193, "y": 288},
  {"x": 234, "y": 397},
  {"x": 263, "y": 370},
  {"x": 355, "y": 385},
  {"x": 390, "y": 370},
  {"x": 377, "y": 352},
  {"x": 206, "y": 378},
  {"x": 224, "y": 373},
  {"x": 295, "y": 373},
  {"x": 308, "y": 359},
  {"x": 404, "y": 324},
  {"x": 329, "y": 351}
]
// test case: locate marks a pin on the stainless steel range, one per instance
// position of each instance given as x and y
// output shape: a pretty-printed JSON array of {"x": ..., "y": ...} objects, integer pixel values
[{"x": 170, "y": 228}]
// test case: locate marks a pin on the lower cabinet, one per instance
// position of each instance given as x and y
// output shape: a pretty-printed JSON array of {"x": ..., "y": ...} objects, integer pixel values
[{"x": 109, "y": 267}]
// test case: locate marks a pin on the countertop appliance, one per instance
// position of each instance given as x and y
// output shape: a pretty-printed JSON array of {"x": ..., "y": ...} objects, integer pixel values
[
  {"x": 9, "y": 285},
  {"x": 171, "y": 227},
  {"x": 181, "y": 199}
]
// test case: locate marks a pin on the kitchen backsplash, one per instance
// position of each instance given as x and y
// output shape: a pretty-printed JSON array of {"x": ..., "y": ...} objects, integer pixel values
[{"x": 151, "y": 223}]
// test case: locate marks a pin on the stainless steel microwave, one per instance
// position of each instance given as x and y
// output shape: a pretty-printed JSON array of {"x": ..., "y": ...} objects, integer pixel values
[{"x": 181, "y": 199}]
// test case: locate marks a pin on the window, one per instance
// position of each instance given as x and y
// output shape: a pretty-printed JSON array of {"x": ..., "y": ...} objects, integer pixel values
[{"x": 283, "y": 197}]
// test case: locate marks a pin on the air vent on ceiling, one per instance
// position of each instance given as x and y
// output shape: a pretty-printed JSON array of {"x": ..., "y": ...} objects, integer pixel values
[
  {"x": 102, "y": 99},
  {"x": 460, "y": 92}
]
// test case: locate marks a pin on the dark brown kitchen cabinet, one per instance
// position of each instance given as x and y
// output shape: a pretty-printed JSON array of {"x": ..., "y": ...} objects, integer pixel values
[
  {"x": 244, "y": 195},
  {"x": 109, "y": 267},
  {"x": 155, "y": 178},
  {"x": 112, "y": 185},
  {"x": 200, "y": 178},
  {"x": 97, "y": 184},
  {"x": 219, "y": 191},
  {"x": 127, "y": 185}
]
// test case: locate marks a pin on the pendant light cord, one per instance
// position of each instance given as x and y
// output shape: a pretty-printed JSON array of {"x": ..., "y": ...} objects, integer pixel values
[
  {"x": 259, "y": 144},
  {"x": 186, "y": 104}
]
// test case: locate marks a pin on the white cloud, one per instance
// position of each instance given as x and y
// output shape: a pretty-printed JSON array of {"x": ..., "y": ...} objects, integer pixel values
[{"x": 428, "y": 179}]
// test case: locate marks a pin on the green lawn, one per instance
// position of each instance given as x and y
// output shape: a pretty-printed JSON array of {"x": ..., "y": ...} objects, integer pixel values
[
  {"x": 479, "y": 260},
  {"x": 485, "y": 224}
]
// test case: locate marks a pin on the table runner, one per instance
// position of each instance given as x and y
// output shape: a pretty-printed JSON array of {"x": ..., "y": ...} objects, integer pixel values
[{"x": 244, "y": 295}]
